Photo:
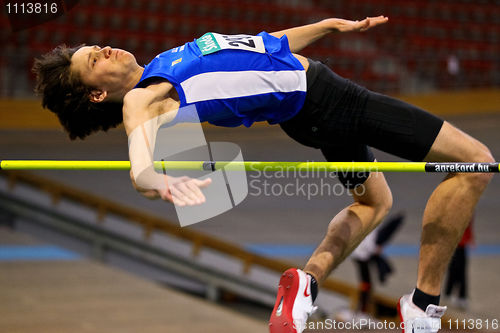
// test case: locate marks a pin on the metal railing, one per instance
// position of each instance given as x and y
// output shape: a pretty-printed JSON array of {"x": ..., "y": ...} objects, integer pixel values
[{"x": 150, "y": 223}]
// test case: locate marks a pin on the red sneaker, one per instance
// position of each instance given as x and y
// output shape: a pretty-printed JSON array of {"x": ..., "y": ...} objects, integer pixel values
[{"x": 293, "y": 303}]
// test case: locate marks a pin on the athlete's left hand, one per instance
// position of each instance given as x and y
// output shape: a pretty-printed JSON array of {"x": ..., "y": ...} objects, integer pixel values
[
  {"x": 341, "y": 25},
  {"x": 185, "y": 191}
]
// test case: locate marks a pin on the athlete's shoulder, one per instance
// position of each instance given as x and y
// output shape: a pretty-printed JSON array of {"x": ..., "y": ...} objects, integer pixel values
[
  {"x": 142, "y": 104},
  {"x": 156, "y": 89}
]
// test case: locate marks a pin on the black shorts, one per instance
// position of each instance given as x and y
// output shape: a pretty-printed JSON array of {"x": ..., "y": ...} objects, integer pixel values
[{"x": 344, "y": 119}]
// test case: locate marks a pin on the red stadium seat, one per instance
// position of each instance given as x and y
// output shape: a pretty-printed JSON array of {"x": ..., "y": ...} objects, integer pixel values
[{"x": 422, "y": 34}]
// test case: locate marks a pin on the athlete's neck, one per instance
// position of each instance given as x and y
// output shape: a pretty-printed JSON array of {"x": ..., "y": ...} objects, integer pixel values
[
  {"x": 135, "y": 77},
  {"x": 132, "y": 80}
]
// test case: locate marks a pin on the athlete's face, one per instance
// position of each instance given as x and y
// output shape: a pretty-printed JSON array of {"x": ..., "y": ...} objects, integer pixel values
[{"x": 104, "y": 68}]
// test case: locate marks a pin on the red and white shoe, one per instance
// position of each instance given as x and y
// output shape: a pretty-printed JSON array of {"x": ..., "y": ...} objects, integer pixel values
[
  {"x": 293, "y": 303},
  {"x": 417, "y": 321}
]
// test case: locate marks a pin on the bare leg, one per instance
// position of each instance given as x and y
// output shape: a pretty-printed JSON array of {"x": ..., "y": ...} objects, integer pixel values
[
  {"x": 450, "y": 206},
  {"x": 350, "y": 226}
]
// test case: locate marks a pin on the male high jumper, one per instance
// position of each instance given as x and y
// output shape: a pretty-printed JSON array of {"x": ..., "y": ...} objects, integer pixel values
[{"x": 261, "y": 78}]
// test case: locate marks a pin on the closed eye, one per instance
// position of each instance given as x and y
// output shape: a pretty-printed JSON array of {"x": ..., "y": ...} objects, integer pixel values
[{"x": 95, "y": 48}]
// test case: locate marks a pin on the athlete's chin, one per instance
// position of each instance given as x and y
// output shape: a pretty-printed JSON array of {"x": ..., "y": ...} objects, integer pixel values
[{"x": 128, "y": 57}]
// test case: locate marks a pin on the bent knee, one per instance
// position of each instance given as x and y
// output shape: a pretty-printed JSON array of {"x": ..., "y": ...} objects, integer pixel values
[
  {"x": 478, "y": 181},
  {"x": 384, "y": 203},
  {"x": 384, "y": 206},
  {"x": 377, "y": 197},
  {"x": 482, "y": 155}
]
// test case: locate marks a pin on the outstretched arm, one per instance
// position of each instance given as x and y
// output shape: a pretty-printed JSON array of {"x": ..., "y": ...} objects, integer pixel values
[
  {"x": 300, "y": 37},
  {"x": 142, "y": 132}
]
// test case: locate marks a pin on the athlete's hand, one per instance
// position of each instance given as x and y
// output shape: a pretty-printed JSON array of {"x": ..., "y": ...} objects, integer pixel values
[
  {"x": 341, "y": 25},
  {"x": 184, "y": 191},
  {"x": 180, "y": 191}
]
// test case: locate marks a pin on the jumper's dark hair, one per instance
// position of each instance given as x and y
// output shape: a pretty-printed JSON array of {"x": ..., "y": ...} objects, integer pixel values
[{"x": 64, "y": 94}]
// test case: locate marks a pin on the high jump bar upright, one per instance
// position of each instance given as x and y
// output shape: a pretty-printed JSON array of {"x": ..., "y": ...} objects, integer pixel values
[{"x": 255, "y": 166}]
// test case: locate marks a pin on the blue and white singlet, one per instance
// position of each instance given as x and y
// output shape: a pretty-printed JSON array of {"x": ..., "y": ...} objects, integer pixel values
[{"x": 234, "y": 79}]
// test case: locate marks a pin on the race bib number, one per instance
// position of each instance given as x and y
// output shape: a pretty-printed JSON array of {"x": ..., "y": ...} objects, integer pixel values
[{"x": 213, "y": 42}]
